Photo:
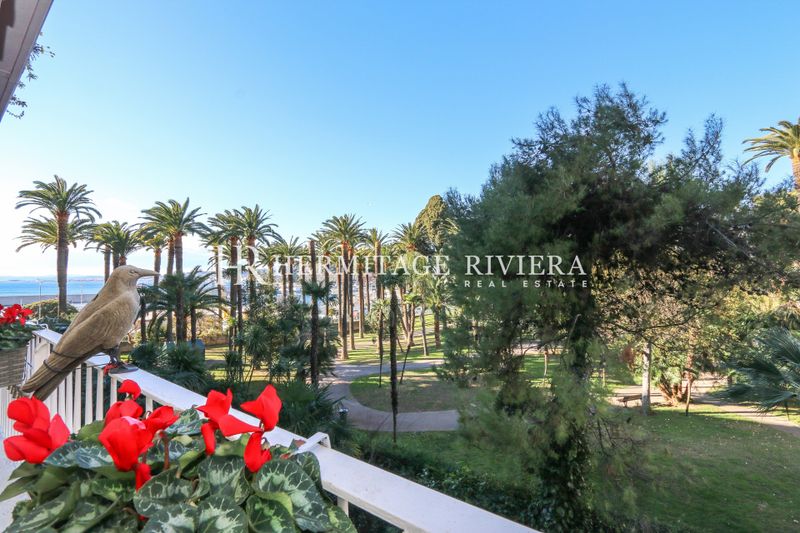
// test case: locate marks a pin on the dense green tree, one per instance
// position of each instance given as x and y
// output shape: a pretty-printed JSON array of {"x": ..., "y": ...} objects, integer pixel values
[{"x": 591, "y": 188}]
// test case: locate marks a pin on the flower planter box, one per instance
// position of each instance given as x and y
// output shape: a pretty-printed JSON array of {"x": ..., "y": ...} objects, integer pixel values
[{"x": 12, "y": 366}]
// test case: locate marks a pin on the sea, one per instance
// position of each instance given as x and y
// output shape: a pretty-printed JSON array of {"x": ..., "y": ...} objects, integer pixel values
[{"x": 26, "y": 289}]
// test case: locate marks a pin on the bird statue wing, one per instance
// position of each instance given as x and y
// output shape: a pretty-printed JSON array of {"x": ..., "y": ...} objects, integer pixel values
[{"x": 101, "y": 325}]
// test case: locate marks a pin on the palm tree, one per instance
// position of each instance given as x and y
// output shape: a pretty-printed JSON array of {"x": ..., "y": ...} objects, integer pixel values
[
  {"x": 197, "y": 290},
  {"x": 376, "y": 240},
  {"x": 780, "y": 141},
  {"x": 101, "y": 238},
  {"x": 770, "y": 375},
  {"x": 63, "y": 202},
  {"x": 348, "y": 231},
  {"x": 226, "y": 227},
  {"x": 216, "y": 241},
  {"x": 175, "y": 220},
  {"x": 253, "y": 228},
  {"x": 44, "y": 232},
  {"x": 122, "y": 241},
  {"x": 325, "y": 247}
]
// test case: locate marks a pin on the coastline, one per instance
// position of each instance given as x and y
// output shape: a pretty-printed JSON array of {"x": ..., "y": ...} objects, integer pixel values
[{"x": 74, "y": 299}]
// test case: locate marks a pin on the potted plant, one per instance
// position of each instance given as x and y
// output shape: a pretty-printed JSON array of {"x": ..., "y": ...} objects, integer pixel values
[
  {"x": 15, "y": 333},
  {"x": 164, "y": 471}
]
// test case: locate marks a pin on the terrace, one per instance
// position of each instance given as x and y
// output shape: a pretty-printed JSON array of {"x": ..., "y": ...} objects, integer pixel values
[{"x": 80, "y": 400}]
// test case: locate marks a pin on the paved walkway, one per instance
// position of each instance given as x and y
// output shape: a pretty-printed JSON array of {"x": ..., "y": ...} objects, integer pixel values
[
  {"x": 364, "y": 417},
  {"x": 701, "y": 395}
]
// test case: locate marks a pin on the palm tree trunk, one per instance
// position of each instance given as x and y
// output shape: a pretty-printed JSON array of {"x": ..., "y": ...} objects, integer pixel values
[
  {"x": 437, "y": 337},
  {"x": 424, "y": 332},
  {"x": 106, "y": 262},
  {"x": 350, "y": 301},
  {"x": 339, "y": 303},
  {"x": 62, "y": 259},
  {"x": 796, "y": 172},
  {"x": 344, "y": 306},
  {"x": 251, "y": 262},
  {"x": 218, "y": 275},
  {"x": 360, "y": 303},
  {"x": 284, "y": 279},
  {"x": 123, "y": 260},
  {"x": 143, "y": 319},
  {"x": 366, "y": 295},
  {"x": 380, "y": 344},
  {"x": 114, "y": 260},
  {"x": 170, "y": 269},
  {"x": 327, "y": 300},
  {"x": 393, "y": 359},
  {"x": 314, "y": 316},
  {"x": 234, "y": 245},
  {"x": 291, "y": 277},
  {"x": 180, "y": 312}
]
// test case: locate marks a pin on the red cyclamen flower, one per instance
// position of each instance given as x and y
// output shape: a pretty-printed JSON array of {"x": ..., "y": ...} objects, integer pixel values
[
  {"x": 130, "y": 387},
  {"x": 40, "y": 435},
  {"x": 160, "y": 419},
  {"x": 216, "y": 410},
  {"x": 126, "y": 439},
  {"x": 255, "y": 454},
  {"x": 266, "y": 407},
  {"x": 123, "y": 408}
]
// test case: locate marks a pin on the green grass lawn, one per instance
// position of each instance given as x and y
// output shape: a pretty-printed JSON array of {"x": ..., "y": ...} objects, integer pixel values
[
  {"x": 710, "y": 471},
  {"x": 421, "y": 390}
]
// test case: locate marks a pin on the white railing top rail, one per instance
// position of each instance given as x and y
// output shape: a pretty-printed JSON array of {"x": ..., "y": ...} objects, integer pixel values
[{"x": 401, "y": 502}]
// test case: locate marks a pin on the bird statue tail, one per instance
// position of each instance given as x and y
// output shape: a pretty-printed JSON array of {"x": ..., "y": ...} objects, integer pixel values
[{"x": 49, "y": 376}]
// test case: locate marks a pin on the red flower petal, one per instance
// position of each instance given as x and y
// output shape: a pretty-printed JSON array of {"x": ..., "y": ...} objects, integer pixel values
[
  {"x": 229, "y": 425},
  {"x": 59, "y": 432},
  {"x": 217, "y": 404},
  {"x": 28, "y": 413},
  {"x": 20, "y": 448},
  {"x": 209, "y": 437},
  {"x": 254, "y": 455},
  {"x": 124, "y": 408},
  {"x": 161, "y": 418},
  {"x": 126, "y": 439},
  {"x": 130, "y": 387},
  {"x": 142, "y": 474},
  {"x": 266, "y": 407}
]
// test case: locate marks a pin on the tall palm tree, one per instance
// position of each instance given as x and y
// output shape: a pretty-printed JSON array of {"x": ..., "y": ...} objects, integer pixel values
[
  {"x": 100, "y": 238},
  {"x": 325, "y": 247},
  {"x": 254, "y": 228},
  {"x": 123, "y": 240},
  {"x": 780, "y": 141},
  {"x": 63, "y": 202},
  {"x": 226, "y": 227},
  {"x": 376, "y": 240},
  {"x": 216, "y": 241},
  {"x": 175, "y": 220},
  {"x": 348, "y": 231},
  {"x": 195, "y": 287}
]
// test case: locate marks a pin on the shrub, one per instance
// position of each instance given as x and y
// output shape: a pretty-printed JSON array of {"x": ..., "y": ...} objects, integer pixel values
[{"x": 49, "y": 309}]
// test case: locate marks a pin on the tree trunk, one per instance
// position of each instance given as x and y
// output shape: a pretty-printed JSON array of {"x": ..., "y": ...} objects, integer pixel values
[
  {"x": 647, "y": 359},
  {"x": 424, "y": 332},
  {"x": 234, "y": 260},
  {"x": 796, "y": 172},
  {"x": 339, "y": 304},
  {"x": 180, "y": 312},
  {"x": 106, "y": 262},
  {"x": 156, "y": 278},
  {"x": 62, "y": 259},
  {"x": 380, "y": 344},
  {"x": 368, "y": 304},
  {"x": 351, "y": 302},
  {"x": 123, "y": 260},
  {"x": 284, "y": 281},
  {"x": 170, "y": 269},
  {"x": 314, "y": 316},
  {"x": 360, "y": 303},
  {"x": 291, "y": 278},
  {"x": 343, "y": 306},
  {"x": 218, "y": 276},
  {"x": 327, "y": 300},
  {"x": 437, "y": 336},
  {"x": 251, "y": 262},
  {"x": 142, "y": 319},
  {"x": 393, "y": 309}
]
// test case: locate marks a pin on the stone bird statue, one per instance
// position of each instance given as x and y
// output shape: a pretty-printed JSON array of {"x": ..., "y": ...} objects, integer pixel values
[{"x": 98, "y": 327}]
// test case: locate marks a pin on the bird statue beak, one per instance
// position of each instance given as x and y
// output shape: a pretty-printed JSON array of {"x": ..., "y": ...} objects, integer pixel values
[{"x": 145, "y": 273}]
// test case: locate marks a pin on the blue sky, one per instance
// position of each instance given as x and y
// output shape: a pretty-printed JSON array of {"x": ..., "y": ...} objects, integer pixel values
[{"x": 320, "y": 108}]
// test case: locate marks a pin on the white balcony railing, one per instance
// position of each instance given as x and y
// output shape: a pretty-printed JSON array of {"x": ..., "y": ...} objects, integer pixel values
[{"x": 400, "y": 502}]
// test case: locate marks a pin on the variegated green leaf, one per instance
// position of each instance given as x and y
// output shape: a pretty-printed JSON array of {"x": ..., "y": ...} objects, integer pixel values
[
  {"x": 112, "y": 489},
  {"x": 117, "y": 523},
  {"x": 156, "y": 452},
  {"x": 88, "y": 513},
  {"x": 225, "y": 475},
  {"x": 52, "y": 477},
  {"x": 308, "y": 507},
  {"x": 161, "y": 491},
  {"x": 188, "y": 423},
  {"x": 64, "y": 456},
  {"x": 90, "y": 454},
  {"x": 269, "y": 515},
  {"x": 25, "y": 469},
  {"x": 220, "y": 514},
  {"x": 42, "y": 516},
  {"x": 180, "y": 518},
  {"x": 310, "y": 465},
  {"x": 340, "y": 521}
]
